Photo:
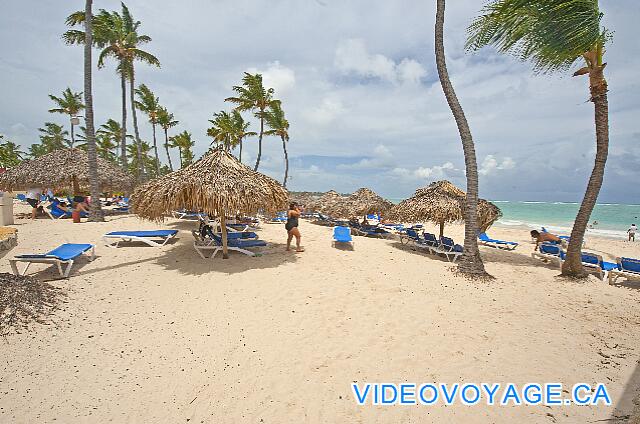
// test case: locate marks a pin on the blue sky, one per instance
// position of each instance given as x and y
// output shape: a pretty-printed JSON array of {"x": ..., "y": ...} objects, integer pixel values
[{"x": 358, "y": 83}]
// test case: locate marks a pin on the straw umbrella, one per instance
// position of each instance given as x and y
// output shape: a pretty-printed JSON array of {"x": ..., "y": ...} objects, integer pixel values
[
  {"x": 329, "y": 203},
  {"x": 442, "y": 202},
  {"x": 63, "y": 168},
  {"x": 363, "y": 202},
  {"x": 216, "y": 184}
]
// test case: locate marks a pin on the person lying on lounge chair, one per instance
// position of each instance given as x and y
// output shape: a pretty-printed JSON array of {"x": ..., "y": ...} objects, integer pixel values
[{"x": 544, "y": 237}]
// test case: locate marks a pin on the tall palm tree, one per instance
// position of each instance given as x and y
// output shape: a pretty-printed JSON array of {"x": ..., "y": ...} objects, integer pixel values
[
  {"x": 117, "y": 35},
  {"x": 184, "y": 143},
  {"x": 148, "y": 103},
  {"x": 107, "y": 29},
  {"x": 69, "y": 104},
  {"x": 241, "y": 129},
  {"x": 554, "y": 35},
  {"x": 279, "y": 126},
  {"x": 95, "y": 211},
  {"x": 470, "y": 263},
  {"x": 54, "y": 137},
  {"x": 166, "y": 120},
  {"x": 252, "y": 95}
]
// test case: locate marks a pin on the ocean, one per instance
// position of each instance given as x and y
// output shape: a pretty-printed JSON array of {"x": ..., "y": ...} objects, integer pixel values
[{"x": 612, "y": 219}]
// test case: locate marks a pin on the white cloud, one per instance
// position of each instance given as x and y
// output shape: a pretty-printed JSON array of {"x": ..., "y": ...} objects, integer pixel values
[
  {"x": 352, "y": 57},
  {"x": 276, "y": 76},
  {"x": 490, "y": 164},
  {"x": 423, "y": 173},
  {"x": 326, "y": 112}
]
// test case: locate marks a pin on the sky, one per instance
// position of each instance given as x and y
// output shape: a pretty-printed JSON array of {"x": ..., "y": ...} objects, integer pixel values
[{"x": 358, "y": 83}]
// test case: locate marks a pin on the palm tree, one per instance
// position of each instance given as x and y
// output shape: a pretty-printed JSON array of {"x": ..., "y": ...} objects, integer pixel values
[
  {"x": 10, "y": 153},
  {"x": 95, "y": 211},
  {"x": 554, "y": 35},
  {"x": 241, "y": 128},
  {"x": 222, "y": 130},
  {"x": 279, "y": 126},
  {"x": 166, "y": 120},
  {"x": 105, "y": 146},
  {"x": 117, "y": 35},
  {"x": 148, "y": 103},
  {"x": 184, "y": 143},
  {"x": 69, "y": 104},
  {"x": 470, "y": 263},
  {"x": 252, "y": 95},
  {"x": 149, "y": 160},
  {"x": 54, "y": 137}
]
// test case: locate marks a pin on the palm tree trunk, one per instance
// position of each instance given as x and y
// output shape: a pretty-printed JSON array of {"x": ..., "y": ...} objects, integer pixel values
[
  {"x": 180, "y": 152},
  {"x": 134, "y": 115},
  {"x": 95, "y": 213},
  {"x": 155, "y": 149},
  {"x": 240, "y": 154},
  {"x": 73, "y": 138},
  {"x": 286, "y": 162},
  {"x": 123, "y": 134},
  {"x": 166, "y": 147},
  {"x": 598, "y": 87},
  {"x": 470, "y": 263},
  {"x": 260, "y": 141}
]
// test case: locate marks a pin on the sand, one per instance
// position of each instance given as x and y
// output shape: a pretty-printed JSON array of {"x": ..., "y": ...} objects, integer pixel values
[{"x": 158, "y": 335}]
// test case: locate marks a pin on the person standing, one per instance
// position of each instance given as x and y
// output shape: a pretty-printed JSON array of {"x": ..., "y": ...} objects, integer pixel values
[
  {"x": 293, "y": 216},
  {"x": 33, "y": 199},
  {"x": 632, "y": 232}
]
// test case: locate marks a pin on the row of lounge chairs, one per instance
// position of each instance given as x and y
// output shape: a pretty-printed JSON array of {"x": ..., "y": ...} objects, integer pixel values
[
  {"x": 429, "y": 242},
  {"x": 623, "y": 267}
]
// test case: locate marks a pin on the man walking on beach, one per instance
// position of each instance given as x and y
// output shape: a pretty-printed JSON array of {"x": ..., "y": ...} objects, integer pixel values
[{"x": 632, "y": 232}]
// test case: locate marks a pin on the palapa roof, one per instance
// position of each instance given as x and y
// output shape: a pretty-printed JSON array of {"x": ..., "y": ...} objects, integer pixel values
[
  {"x": 303, "y": 197},
  {"x": 443, "y": 202},
  {"x": 327, "y": 203},
  {"x": 57, "y": 169},
  {"x": 217, "y": 183},
  {"x": 364, "y": 201}
]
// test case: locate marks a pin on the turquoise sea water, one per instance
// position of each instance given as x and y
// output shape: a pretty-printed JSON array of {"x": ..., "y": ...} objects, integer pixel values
[{"x": 612, "y": 219}]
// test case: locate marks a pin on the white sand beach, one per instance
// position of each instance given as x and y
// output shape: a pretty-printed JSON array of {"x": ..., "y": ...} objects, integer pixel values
[{"x": 158, "y": 335}]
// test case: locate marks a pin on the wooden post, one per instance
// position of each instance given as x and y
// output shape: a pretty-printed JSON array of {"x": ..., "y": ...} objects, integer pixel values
[
  {"x": 442, "y": 229},
  {"x": 223, "y": 228}
]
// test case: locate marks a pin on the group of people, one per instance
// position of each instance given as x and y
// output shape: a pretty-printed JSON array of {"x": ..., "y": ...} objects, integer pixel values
[{"x": 34, "y": 199}]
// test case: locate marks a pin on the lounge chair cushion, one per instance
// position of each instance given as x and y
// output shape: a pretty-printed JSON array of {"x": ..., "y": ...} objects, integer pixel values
[
  {"x": 64, "y": 252},
  {"x": 153, "y": 233}
]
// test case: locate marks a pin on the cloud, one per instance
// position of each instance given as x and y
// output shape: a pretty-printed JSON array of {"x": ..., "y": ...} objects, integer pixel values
[
  {"x": 276, "y": 76},
  {"x": 352, "y": 57},
  {"x": 490, "y": 165},
  {"x": 326, "y": 112},
  {"x": 423, "y": 173}
]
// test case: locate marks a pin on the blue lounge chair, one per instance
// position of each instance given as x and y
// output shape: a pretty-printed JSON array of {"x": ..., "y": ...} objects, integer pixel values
[
  {"x": 625, "y": 267},
  {"x": 602, "y": 268},
  {"x": 448, "y": 248},
  {"x": 430, "y": 239},
  {"x": 500, "y": 244},
  {"x": 342, "y": 235},
  {"x": 146, "y": 237},
  {"x": 56, "y": 212},
  {"x": 549, "y": 252},
  {"x": 63, "y": 254},
  {"x": 214, "y": 242}
]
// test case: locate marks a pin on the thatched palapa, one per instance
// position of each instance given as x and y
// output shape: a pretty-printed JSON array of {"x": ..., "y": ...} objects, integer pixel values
[
  {"x": 442, "y": 202},
  {"x": 327, "y": 203},
  {"x": 65, "y": 168},
  {"x": 363, "y": 202},
  {"x": 216, "y": 184}
]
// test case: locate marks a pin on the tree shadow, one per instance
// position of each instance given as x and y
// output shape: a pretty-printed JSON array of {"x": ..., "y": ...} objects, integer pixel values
[
  {"x": 627, "y": 409},
  {"x": 410, "y": 248}
]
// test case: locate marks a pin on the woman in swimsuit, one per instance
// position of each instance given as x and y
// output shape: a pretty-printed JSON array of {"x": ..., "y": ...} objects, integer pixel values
[{"x": 293, "y": 214}]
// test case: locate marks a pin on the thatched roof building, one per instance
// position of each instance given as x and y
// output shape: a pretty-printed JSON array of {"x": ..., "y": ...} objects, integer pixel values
[
  {"x": 65, "y": 168},
  {"x": 216, "y": 184},
  {"x": 442, "y": 202},
  {"x": 328, "y": 203}
]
